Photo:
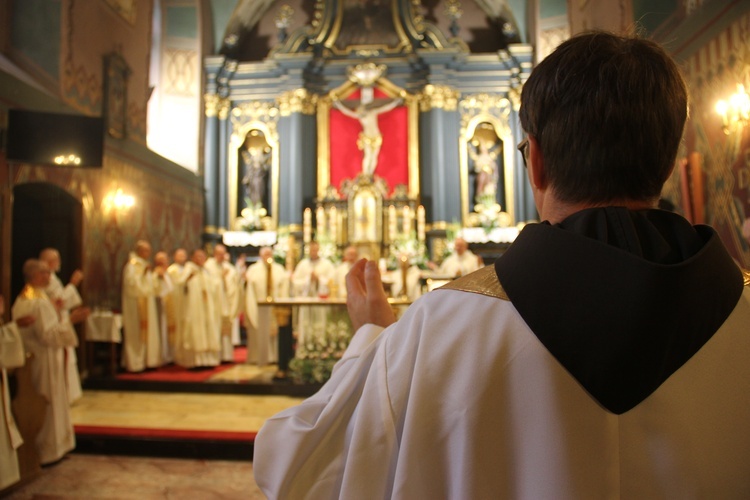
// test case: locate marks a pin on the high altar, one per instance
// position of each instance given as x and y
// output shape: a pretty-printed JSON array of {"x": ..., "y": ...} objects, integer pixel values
[{"x": 374, "y": 122}]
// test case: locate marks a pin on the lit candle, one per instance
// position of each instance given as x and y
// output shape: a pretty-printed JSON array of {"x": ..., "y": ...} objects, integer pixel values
[
  {"x": 307, "y": 226},
  {"x": 320, "y": 221},
  {"x": 391, "y": 223},
  {"x": 420, "y": 223},
  {"x": 333, "y": 222},
  {"x": 407, "y": 220}
]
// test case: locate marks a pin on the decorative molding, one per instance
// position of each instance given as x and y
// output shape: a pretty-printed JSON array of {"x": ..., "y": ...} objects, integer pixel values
[
  {"x": 439, "y": 97},
  {"x": 256, "y": 111},
  {"x": 224, "y": 106},
  {"x": 494, "y": 105},
  {"x": 211, "y": 104},
  {"x": 297, "y": 101}
]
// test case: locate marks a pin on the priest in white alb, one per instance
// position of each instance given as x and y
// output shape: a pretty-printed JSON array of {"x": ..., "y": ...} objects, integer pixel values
[
  {"x": 69, "y": 297},
  {"x": 176, "y": 301},
  {"x": 198, "y": 343},
  {"x": 226, "y": 300},
  {"x": 312, "y": 277},
  {"x": 140, "y": 322},
  {"x": 46, "y": 339},
  {"x": 265, "y": 278}
]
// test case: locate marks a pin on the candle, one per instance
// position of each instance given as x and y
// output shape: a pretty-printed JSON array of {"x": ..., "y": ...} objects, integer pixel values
[
  {"x": 307, "y": 226},
  {"x": 420, "y": 223},
  {"x": 407, "y": 220},
  {"x": 320, "y": 221},
  {"x": 391, "y": 223},
  {"x": 333, "y": 222}
]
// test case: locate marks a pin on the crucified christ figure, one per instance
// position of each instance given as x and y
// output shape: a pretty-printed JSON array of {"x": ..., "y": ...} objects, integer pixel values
[{"x": 370, "y": 140}]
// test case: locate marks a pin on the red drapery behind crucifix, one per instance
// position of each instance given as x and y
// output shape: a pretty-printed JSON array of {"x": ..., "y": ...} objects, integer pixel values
[{"x": 346, "y": 157}]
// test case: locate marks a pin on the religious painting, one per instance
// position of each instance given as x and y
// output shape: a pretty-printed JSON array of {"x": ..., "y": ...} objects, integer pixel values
[
  {"x": 367, "y": 23},
  {"x": 116, "y": 72}
]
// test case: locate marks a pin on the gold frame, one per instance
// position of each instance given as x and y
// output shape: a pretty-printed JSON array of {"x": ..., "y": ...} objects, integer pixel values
[
  {"x": 236, "y": 141},
  {"x": 503, "y": 132},
  {"x": 324, "y": 132},
  {"x": 330, "y": 42}
]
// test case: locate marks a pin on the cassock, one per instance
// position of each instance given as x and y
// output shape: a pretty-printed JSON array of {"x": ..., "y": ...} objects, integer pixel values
[
  {"x": 11, "y": 356},
  {"x": 226, "y": 304},
  {"x": 311, "y": 320},
  {"x": 262, "y": 346},
  {"x": 140, "y": 322},
  {"x": 198, "y": 344},
  {"x": 70, "y": 298},
  {"x": 46, "y": 340},
  {"x": 586, "y": 363},
  {"x": 174, "y": 306},
  {"x": 460, "y": 265}
]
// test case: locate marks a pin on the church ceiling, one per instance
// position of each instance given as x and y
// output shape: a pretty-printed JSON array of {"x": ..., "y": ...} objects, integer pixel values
[{"x": 484, "y": 26}]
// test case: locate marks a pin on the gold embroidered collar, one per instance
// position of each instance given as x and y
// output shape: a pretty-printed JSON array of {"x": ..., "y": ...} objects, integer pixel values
[{"x": 484, "y": 282}]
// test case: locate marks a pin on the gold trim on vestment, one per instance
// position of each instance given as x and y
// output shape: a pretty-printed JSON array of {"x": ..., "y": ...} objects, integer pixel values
[
  {"x": 745, "y": 276},
  {"x": 484, "y": 282},
  {"x": 31, "y": 293}
]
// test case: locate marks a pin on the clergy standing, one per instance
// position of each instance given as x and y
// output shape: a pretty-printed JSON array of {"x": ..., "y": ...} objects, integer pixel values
[
  {"x": 351, "y": 255},
  {"x": 69, "y": 297},
  {"x": 140, "y": 322},
  {"x": 176, "y": 313},
  {"x": 462, "y": 261},
  {"x": 46, "y": 339},
  {"x": 198, "y": 345},
  {"x": 227, "y": 300},
  {"x": 311, "y": 278},
  {"x": 163, "y": 291},
  {"x": 12, "y": 355},
  {"x": 262, "y": 328}
]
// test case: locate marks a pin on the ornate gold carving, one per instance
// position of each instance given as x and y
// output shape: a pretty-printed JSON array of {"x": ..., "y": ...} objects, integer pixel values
[
  {"x": 439, "y": 97},
  {"x": 483, "y": 282},
  {"x": 224, "y": 107},
  {"x": 211, "y": 104},
  {"x": 484, "y": 104},
  {"x": 260, "y": 111},
  {"x": 297, "y": 101}
]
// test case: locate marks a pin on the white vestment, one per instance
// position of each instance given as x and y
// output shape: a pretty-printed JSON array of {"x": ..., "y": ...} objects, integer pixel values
[
  {"x": 11, "y": 349},
  {"x": 262, "y": 346},
  {"x": 340, "y": 279},
  {"x": 460, "y": 265},
  {"x": 226, "y": 304},
  {"x": 198, "y": 344},
  {"x": 175, "y": 308},
  {"x": 71, "y": 298},
  {"x": 311, "y": 320},
  {"x": 46, "y": 339},
  {"x": 466, "y": 402},
  {"x": 140, "y": 323},
  {"x": 163, "y": 292}
]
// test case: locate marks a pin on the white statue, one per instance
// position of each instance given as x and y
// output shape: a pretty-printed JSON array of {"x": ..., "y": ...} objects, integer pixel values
[
  {"x": 256, "y": 162},
  {"x": 370, "y": 140},
  {"x": 485, "y": 166}
]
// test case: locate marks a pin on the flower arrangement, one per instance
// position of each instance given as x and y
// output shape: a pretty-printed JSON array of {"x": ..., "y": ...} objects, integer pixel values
[
  {"x": 322, "y": 350},
  {"x": 488, "y": 212},
  {"x": 251, "y": 217},
  {"x": 410, "y": 247},
  {"x": 327, "y": 247}
]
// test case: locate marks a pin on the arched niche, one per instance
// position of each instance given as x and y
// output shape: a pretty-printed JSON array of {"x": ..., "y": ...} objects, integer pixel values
[
  {"x": 252, "y": 143},
  {"x": 487, "y": 137}
]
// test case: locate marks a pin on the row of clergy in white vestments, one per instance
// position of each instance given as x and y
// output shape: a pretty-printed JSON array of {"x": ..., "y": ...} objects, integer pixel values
[
  {"x": 42, "y": 336},
  {"x": 189, "y": 312}
]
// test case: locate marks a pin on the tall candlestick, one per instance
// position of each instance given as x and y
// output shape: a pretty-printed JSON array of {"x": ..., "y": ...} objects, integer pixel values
[
  {"x": 391, "y": 223},
  {"x": 420, "y": 223},
  {"x": 307, "y": 226},
  {"x": 320, "y": 222},
  {"x": 333, "y": 222},
  {"x": 407, "y": 220}
]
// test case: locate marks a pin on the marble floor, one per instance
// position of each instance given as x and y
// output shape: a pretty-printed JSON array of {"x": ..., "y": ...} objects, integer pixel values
[{"x": 126, "y": 477}]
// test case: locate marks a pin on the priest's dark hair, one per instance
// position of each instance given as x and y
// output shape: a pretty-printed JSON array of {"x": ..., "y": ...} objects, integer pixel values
[{"x": 608, "y": 113}]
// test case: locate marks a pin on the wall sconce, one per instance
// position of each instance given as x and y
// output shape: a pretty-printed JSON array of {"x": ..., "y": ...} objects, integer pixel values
[
  {"x": 118, "y": 201},
  {"x": 735, "y": 112}
]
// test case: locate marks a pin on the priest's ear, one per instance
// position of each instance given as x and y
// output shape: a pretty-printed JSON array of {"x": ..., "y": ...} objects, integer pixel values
[{"x": 535, "y": 164}]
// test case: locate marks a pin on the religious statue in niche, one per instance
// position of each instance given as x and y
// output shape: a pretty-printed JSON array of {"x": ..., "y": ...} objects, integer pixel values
[
  {"x": 256, "y": 160},
  {"x": 485, "y": 153},
  {"x": 370, "y": 139}
]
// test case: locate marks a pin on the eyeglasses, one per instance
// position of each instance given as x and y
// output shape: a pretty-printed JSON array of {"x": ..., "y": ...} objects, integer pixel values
[{"x": 523, "y": 147}]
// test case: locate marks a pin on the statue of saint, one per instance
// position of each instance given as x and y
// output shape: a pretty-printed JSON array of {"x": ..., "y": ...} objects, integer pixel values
[
  {"x": 370, "y": 140},
  {"x": 485, "y": 167},
  {"x": 256, "y": 163}
]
